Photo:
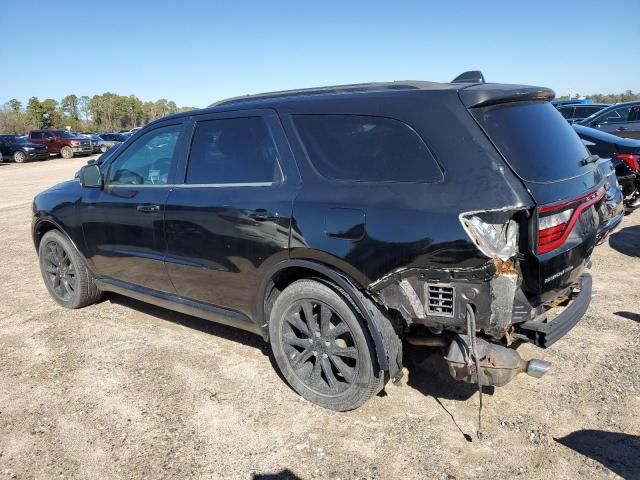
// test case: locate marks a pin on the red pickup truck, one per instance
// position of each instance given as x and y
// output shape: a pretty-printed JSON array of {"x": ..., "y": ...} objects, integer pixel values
[{"x": 62, "y": 142}]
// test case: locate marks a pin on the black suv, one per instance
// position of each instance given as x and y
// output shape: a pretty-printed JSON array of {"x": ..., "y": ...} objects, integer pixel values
[
  {"x": 337, "y": 222},
  {"x": 621, "y": 119},
  {"x": 19, "y": 149}
]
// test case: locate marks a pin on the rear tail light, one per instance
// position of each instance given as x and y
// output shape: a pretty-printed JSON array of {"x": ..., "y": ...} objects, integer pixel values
[
  {"x": 630, "y": 159},
  {"x": 556, "y": 221}
]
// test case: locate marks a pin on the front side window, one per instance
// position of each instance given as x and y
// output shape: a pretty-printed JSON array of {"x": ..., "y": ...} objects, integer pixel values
[
  {"x": 366, "y": 148},
  {"x": 617, "y": 115},
  {"x": 233, "y": 151},
  {"x": 36, "y": 135},
  {"x": 147, "y": 161}
]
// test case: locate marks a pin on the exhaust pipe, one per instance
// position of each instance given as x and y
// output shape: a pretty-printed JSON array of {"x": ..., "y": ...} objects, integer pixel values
[{"x": 498, "y": 364}]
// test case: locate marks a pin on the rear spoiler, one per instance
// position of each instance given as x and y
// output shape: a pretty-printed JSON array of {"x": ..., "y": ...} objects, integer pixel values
[{"x": 481, "y": 95}]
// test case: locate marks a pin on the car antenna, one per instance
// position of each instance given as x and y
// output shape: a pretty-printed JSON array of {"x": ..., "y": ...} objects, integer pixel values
[{"x": 472, "y": 76}]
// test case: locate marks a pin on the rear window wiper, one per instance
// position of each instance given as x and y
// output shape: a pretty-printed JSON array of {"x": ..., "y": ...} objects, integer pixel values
[{"x": 587, "y": 160}]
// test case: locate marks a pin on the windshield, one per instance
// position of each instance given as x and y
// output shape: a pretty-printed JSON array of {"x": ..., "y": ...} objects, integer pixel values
[{"x": 535, "y": 140}]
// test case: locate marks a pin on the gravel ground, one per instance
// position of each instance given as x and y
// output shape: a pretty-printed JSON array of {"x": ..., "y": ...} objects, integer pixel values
[{"x": 125, "y": 390}]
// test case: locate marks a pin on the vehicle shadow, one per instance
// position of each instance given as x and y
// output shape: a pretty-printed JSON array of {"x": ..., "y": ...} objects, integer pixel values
[
  {"x": 285, "y": 474},
  {"x": 429, "y": 374},
  {"x": 629, "y": 315},
  {"x": 200, "y": 324},
  {"x": 616, "y": 451},
  {"x": 626, "y": 241}
]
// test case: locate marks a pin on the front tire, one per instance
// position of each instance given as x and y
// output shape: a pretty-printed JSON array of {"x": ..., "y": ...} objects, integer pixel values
[
  {"x": 66, "y": 152},
  {"x": 65, "y": 274},
  {"x": 322, "y": 347},
  {"x": 19, "y": 157}
]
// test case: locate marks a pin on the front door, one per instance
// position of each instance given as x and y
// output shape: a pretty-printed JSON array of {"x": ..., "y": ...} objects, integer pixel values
[
  {"x": 623, "y": 122},
  {"x": 123, "y": 222},
  {"x": 229, "y": 220}
]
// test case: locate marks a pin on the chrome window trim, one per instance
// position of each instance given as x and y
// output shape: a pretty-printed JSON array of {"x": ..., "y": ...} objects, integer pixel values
[{"x": 196, "y": 185}]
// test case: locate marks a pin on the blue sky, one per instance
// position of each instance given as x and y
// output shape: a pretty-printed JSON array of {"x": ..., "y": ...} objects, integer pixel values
[{"x": 196, "y": 52}]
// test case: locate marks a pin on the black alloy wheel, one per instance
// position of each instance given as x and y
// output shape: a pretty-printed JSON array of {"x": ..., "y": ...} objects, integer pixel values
[
  {"x": 320, "y": 347},
  {"x": 61, "y": 272}
]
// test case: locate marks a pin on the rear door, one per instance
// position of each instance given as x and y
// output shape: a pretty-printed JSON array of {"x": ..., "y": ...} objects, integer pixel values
[
  {"x": 228, "y": 219},
  {"x": 554, "y": 165}
]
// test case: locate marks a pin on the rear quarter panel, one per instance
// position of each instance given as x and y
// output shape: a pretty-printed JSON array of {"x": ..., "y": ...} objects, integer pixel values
[{"x": 405, "y": 224}]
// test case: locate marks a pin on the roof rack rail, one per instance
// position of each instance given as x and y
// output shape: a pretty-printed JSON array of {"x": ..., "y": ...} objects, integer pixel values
[{"x": 472, "y": 76}]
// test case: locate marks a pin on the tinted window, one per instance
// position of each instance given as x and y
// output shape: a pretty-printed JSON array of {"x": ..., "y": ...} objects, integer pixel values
[
  {"x": 36, "y": 135},
  {"x": 617, "y": 115},
  {"x": 364, "y": 148},
  {"x": 535, "y": 140},
  {"x": 584, "y": 112},
  {"x": 567, "y": 112},
  {"x": 147, "y": 161},
  {"x": 231, "y": 151}
]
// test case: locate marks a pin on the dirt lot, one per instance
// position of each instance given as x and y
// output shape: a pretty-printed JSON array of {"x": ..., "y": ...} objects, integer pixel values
[{"x": 125, "y": 390}]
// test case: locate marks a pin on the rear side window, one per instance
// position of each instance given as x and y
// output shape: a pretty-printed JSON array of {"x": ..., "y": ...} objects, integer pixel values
[
  {"x": 366, "y": 148},
  {"x": 233, "y": 151},
  {"x": 535, "y": 140},
  {"x": 36, "y": 135},
  {"x": 567, "y": 112}
]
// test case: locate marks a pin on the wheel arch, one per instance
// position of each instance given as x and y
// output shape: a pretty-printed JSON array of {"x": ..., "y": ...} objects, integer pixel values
[
  {"x": 46, "y": 224},
  {"x": 286, "y": 272}
]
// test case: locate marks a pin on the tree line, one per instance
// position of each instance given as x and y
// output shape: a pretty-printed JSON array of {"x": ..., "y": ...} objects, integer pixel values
[
  {"x": 101, "y": 113},
  {"x": 627, "y": 96}
]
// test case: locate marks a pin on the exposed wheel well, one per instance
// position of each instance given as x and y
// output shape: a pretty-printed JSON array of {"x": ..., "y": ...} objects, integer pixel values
[{"x": 387, "y": 342}]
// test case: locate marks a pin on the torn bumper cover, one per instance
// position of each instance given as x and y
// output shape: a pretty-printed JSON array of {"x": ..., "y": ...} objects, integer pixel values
[{"x": 438, "y": 298}]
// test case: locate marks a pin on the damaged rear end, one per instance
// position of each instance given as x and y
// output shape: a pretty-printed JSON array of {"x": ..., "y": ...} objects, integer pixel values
[{"x": 533, "y": 286}]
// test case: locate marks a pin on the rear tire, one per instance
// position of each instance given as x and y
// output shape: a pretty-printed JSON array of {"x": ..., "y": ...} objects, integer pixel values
[
  {"x": 321, "y": 345},
  {"x": 19, "y": 156},
  {"x": 65, "y": 274},
  {"x": 66, "y": 152}
]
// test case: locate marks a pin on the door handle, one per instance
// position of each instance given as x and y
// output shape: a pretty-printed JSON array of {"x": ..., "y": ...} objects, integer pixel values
[
  {"x": 261, "y": 214},
  {"x": 621, "y": 129},
  {"x": 148, "y": 208}
]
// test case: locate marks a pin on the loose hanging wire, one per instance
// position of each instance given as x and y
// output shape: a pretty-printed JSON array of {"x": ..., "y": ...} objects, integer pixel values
[{"x": 471, "y": 334}]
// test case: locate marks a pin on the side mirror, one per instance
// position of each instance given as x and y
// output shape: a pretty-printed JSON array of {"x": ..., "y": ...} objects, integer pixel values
[{"x": 91, "y": 176}]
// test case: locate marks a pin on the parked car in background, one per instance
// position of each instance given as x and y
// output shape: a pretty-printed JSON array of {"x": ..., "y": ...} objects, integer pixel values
[
  {"x": 62, "y": 142},
  {"x": 621, "y": 119},
  {"x": 336, "y": 222},
  {"x": 109, "y": 140},
  {"x": 574, "y": 113},
  {"x": 19, "y": 149},
  {"x": 624, "y": 154}
]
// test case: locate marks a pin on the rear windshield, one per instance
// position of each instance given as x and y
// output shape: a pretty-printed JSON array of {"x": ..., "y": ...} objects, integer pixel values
[
  {"x": 366, "y": 148},
  {"x": 535, "y": 140}
]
